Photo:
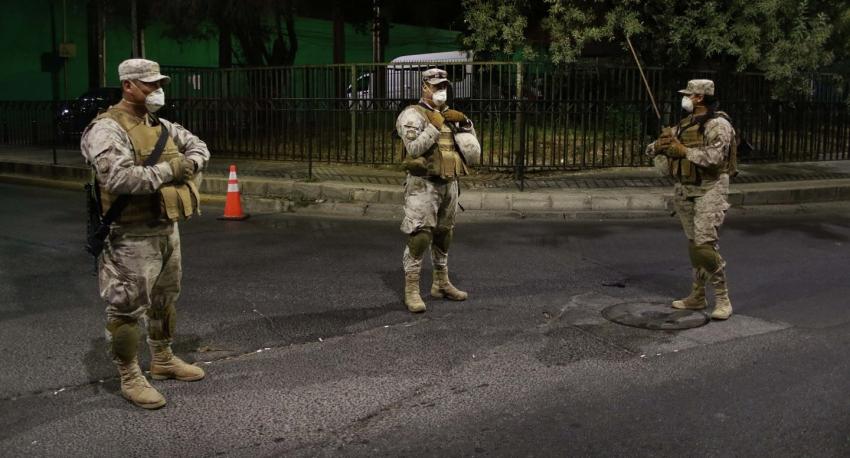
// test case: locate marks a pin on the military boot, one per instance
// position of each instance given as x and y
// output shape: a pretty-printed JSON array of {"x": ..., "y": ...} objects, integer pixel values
[
  {"x": 412, "y": 299},
  {"x": 696, "y": 300},
  {"x": 123, "y": 336},
  {"x": 164, "y": 365},
  {"x": 135, "y": 387},
  {"x": 442, "y": 287},
  {"x": 722, "y": 306}
]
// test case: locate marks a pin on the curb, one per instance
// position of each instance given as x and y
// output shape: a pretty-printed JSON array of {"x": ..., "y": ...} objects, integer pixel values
[{"x": 270, "y": 195}]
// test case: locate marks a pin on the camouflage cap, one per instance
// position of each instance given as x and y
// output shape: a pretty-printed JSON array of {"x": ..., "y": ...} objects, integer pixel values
[
  {"x": 142, "y": 70},
  {"x": 434, "y": 76},
  {"x": 699, "y": 87}
]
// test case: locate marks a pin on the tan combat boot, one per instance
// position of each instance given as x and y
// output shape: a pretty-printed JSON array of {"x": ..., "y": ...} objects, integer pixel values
[
  {"x": 135, "y": 387},
  {"x": 412, "y": 299},
  {"x": 696, "y": 300},
  {"x": 722, "y": 306},
  {"x": 442, "y": 287},
  {"x": 164, "y": 365}
]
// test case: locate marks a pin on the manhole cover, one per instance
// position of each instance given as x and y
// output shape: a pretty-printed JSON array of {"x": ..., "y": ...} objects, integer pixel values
[{"x": 654, "y": 315}]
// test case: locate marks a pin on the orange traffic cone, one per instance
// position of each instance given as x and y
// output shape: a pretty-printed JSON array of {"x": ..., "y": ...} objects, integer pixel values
[{"x": 233, "y": 204}]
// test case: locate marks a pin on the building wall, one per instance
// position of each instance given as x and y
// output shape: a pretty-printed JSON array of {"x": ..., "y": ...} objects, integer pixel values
[{"x": 31, "y": 28}]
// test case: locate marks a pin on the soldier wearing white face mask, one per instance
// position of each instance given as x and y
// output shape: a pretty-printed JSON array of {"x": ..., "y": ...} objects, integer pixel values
[
  {"x": 700, "y": 154},
  {"x": 438, "y": 141},
  {"x": 139, "y": 270}
]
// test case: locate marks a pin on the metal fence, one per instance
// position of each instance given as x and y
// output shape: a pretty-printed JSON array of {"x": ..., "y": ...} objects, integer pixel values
[{"x": 527, "y": 116}]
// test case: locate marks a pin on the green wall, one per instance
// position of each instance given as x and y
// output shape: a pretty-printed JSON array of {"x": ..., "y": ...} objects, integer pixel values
[
  {"x": 315, "y": 42},
  {"x": 27, "y": 31},
  {"x": 26, "y": 35}
]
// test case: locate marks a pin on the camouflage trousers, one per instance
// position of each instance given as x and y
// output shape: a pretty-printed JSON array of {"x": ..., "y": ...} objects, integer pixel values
[
  {"x": 139, "y": 275},
  {"x": 431, "y": 206},
  {"x": 702, "y": 209}
]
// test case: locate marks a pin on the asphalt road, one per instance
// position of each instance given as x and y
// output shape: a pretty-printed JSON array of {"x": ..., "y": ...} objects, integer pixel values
[{"x": 310, "y": 352}]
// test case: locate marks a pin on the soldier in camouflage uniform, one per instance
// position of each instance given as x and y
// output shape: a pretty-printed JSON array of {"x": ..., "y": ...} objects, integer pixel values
[
  {"x": 435, "y": 139},
  {"x": 700, "y": 154},
  {"x": 139, "y": 270}
]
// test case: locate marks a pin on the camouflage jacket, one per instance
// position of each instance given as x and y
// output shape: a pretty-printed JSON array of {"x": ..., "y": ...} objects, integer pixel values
[
  {"x": 107, "y": 148},
  {"x": 718, "y": 138},
  {"x": 417, "y": 133}
]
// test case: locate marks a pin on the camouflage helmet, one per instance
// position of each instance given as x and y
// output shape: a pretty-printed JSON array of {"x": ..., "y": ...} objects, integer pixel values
[
  {"x": 142, "y": 70},
  {"x": 434, "y": 76},
  {"x": 699, "y": 87}
]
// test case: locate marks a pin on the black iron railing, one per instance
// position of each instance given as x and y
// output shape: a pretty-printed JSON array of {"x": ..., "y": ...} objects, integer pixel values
[{"x": 528, "y": 117}]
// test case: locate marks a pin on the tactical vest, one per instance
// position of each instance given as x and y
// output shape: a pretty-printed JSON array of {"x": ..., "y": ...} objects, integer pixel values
[
  {"x": 444, "y": 160},
  {"x": 171, "y": 202},
  {"x": 685, "y": 171}
]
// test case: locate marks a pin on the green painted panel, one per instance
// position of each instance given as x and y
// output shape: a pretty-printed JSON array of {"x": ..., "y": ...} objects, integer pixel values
[{"x": 27, "y": 27}]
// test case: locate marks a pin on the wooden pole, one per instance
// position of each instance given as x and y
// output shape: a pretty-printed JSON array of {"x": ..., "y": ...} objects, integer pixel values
[{"x": 643, "y": 77}]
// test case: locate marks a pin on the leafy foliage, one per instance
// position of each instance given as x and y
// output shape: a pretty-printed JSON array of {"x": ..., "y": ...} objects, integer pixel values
[{"x": 785, "y": 39}]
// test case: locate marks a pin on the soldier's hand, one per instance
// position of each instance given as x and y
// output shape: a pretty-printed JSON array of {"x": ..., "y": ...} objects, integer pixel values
[
  {"x": 436, "y": 119},
  {"x": 183, "y": 169},
  {"x": 676, "y": 149},
  {"x": 663, "y": 143},
  {"x": 454, "y": 116}
]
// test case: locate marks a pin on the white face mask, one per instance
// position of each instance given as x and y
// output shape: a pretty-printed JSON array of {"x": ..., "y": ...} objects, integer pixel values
[
  {"x": 439, "y": 98},
  {"x": 155, "y": 100},
  {"x": 687, "y": 104}
]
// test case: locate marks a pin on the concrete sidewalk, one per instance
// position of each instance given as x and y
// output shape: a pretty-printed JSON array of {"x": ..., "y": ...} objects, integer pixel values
[{"x": 352, "y": 190}]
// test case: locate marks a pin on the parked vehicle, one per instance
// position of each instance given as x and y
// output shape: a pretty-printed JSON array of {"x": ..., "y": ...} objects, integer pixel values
[
  {"x": 74, "y": 116},
  {"x": 403, "y": 78}
]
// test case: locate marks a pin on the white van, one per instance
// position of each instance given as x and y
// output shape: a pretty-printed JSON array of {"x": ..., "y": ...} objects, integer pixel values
[{"x": 404, "y": 76}]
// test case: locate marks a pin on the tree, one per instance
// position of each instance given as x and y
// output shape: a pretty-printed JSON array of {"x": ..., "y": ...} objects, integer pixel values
[
  {"x": 264, "y": 30},
  {"x": 785, "y": 39}
]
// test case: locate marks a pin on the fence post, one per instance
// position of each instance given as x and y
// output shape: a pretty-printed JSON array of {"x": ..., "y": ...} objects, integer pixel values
[
  {"x": 54, "y": 130},
  {"x": 34, "y": 133},
  {"x": 352, "y": 108},
  {"x": 519, "y": 160},
  {"x": 313, "y": 130}
]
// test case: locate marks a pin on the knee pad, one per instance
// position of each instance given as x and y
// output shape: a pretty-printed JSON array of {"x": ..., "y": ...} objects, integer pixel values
[
  {"x": 707, "y": 257},
  {"x": 418, "y": 242},
  {"x": 123, "y": 339}
]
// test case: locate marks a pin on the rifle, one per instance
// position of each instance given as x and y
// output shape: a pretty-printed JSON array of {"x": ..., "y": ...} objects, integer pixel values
[
  {"x": 93, "y": 221},
  {"x": 99, "y": 226},
  {"x": 643, "y": 77}
]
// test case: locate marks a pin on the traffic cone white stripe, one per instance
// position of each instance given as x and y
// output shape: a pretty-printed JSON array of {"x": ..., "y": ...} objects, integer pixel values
[{"x": 233, "y": 187}]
